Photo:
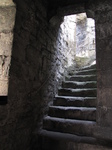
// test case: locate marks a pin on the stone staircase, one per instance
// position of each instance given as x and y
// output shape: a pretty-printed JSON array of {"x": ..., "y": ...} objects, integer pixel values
[{"x": 72, "y": 118}]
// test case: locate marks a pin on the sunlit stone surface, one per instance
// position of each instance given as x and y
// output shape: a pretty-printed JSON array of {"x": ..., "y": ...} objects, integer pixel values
[{"x": 7, "y": 20}]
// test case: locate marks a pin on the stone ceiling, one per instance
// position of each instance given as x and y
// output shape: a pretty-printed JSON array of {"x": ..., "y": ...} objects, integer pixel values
[
  {"x": 65, "y": 7},
  {"x": 61, "y": 3}
]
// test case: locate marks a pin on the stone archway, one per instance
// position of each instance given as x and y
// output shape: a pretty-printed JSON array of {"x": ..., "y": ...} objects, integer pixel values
[{"x": 101, "y": 12}]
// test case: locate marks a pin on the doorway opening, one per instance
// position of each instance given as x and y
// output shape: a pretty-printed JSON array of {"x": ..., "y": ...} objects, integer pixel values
[{"x": 79, "y": 34}]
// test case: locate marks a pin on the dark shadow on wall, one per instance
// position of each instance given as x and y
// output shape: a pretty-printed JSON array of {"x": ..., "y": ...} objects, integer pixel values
[
  {"x": 32, "y": 83},
  {"x": 3, "y": 100}
]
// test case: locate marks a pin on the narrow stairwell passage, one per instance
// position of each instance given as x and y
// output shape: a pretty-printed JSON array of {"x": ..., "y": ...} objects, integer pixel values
[{"x": 73, "y": 113}]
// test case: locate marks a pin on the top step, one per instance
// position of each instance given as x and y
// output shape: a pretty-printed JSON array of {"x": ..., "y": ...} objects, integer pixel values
[
  {"x": 88, "y": 67},
  {"x": 83, "y": 72}
]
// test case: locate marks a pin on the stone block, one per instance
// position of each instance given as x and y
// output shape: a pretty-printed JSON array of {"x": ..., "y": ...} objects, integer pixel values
[
  {"x": 104, "y": 78},
  {"x": 104, "y": 30},
  {"x": 6, "y": 43},
  {"x": 6, "y": 3},
  {"x": 102, "y": 6},
  {"x": 4, "y": 66},
  {"x": 104, "y": 97},
  {"x": 104, "y": 133},
  {"x": 7, "y": 18},
  {"x": 103, "y": 17},
  {"x": 104, "y": 115},
  {"x": 3, "y": 87},
  {"x": 104, "y": 45}
]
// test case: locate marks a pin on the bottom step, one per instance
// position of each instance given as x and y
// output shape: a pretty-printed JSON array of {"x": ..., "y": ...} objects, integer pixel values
[
  {"x": 49, "y": 140},
  {"x": 72, "y": 126},
  {"x": 67, "y": 136}
]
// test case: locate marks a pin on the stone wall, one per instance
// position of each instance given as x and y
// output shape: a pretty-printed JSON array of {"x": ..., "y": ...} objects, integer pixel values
[
  {"x": 69, "y": 36},
  {"x": 103, "y": 19},
  {"x": 37, "y": 66},
  {"x": 67, "y": 44},
  {"x": 7, "y": 19},
  {"x": 35, "y": 71}
]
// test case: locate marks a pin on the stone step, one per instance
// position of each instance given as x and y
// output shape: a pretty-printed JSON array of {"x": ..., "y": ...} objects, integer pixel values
[
  {"x": 74, "y": 84},
  {"x": 83, "y": 72},
  {"x": 65, "y": 137},
  {"x": 86, "y": 72},
  {"x": 90, "y": 92},
  {"x": 78, "y": 127},
  {"x": 74, "y": 101},
  {"x": 50, "y": 140},
  {"x": 82, "y": 78},
  {"x": 88, "y": 67},
  {"x": 81, "y": 113}
]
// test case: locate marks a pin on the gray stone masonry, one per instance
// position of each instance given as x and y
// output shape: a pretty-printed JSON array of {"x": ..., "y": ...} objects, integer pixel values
[
  {"x": 38, "y": 63},
  {"x": 36, "y": 59}
]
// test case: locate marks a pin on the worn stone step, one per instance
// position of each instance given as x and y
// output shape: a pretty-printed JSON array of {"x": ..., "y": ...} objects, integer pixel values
[
  {"x": 86, "y": 72},
  {"x": 83, "y": 72},
  {"x": 78, "y": 127},
  {"x": 66, "y": 137},
  {"x": 50, "y": 140},
  {"x": 88, "y": 67},
  {"x": 87, "y": 84},
  {"x": 81, "y": 113},
  {"x": 90, "y": 92},
  {"x": 75, "y": 101},
  {"x": 82, "y": 78}
]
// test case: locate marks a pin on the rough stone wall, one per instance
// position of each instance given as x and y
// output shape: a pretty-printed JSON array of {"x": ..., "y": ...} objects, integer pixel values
[
  {"x": 81, "y": 27},
  {"x": 103, "y": 19},
  {"x": 67, "y": 43},
  {"x": 33, "y": 73},
  {"x": 69, "y": 38},
  {"x": 7, "y": 19},
  {"x": 38, "y": 54},
  {"x": 101, "y": 11},
  {"x": 85, "y": 40}
]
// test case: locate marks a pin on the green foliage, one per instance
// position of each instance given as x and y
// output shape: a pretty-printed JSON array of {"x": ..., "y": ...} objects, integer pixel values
[{"x": 81, "y": 61}]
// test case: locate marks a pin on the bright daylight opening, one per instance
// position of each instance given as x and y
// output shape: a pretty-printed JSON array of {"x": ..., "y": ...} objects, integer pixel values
[{"x": 79, "y": 33}]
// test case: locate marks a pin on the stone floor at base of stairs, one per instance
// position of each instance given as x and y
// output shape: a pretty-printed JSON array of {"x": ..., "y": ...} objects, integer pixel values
[{"x": 49, "y": 140}]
